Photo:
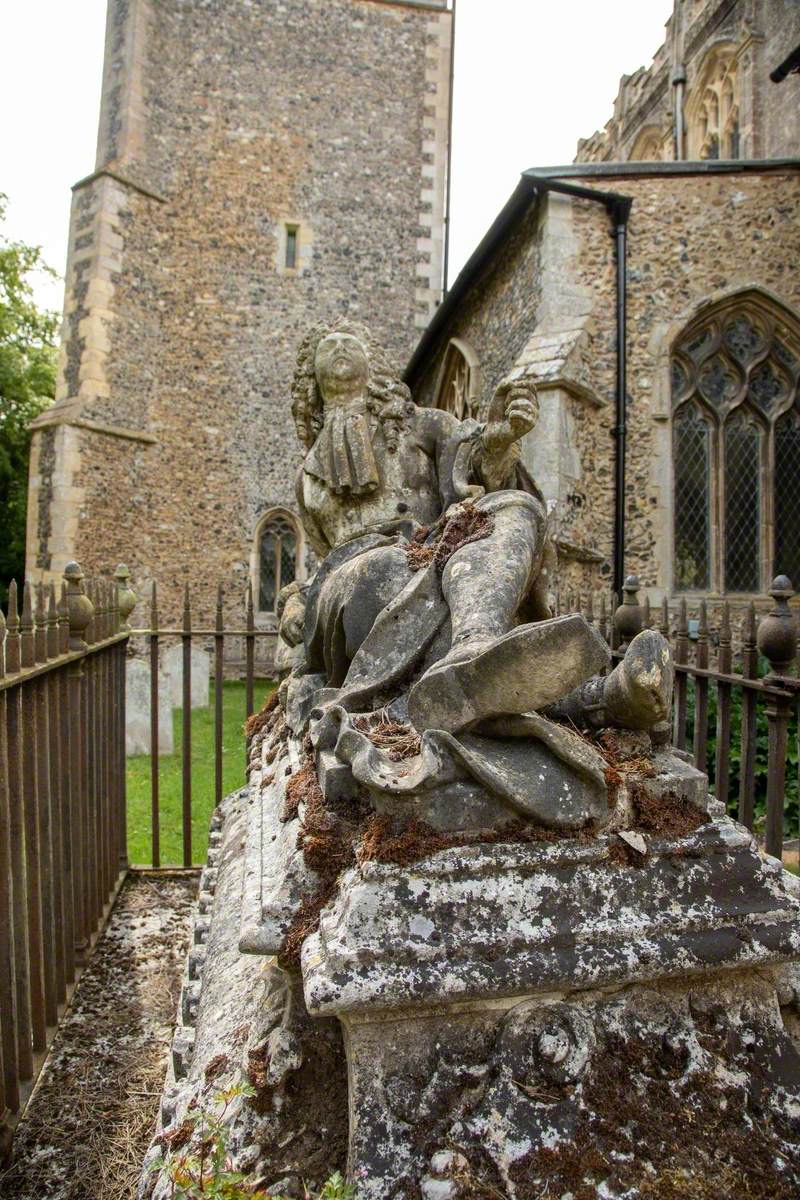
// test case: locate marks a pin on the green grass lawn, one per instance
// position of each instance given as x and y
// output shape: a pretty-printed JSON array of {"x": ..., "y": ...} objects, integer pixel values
[{"x": 171, "y": 776}]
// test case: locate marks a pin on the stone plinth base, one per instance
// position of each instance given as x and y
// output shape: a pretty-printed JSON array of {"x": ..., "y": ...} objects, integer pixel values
[{"x": 606, "y": 1015}]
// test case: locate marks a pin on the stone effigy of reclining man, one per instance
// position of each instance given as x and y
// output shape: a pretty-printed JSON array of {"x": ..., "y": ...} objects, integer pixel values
[{"x": 430, "y": 601}]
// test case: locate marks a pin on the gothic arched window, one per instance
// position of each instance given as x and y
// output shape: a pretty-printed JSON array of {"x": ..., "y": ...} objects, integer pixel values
[
  {"x": 277, "y": 557},
  {"x": 458, "y": 387},
  {"x": 712, "y": 109},
  {"x": 736, "y": 448}
]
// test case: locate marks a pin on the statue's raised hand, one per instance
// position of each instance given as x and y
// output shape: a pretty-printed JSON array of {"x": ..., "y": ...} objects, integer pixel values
[{"x": 514, "y": 411}]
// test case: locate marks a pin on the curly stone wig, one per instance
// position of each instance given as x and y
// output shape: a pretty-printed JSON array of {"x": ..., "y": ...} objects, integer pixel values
[{"x": 387, "y": 395}]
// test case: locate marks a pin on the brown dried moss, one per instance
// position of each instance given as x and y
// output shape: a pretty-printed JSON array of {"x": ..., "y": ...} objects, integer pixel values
[
  {"x": 669, "y": 815},
  {"x": 257, "y": 1065},
  {"x": 385, "y": 840},
  {"x": 327, "y": 842},
  {"x": 399, "y": 739},
  {"x": 649, "y": 1129},
  {"x": 306, "y": 922},
  {"x": 301, "y": 788},
  {"x": 419, "y": 557},
  {"x": 468, "y": 524},
  {"x": 215, "y": 1067},
  {"x": 258, "y": 721}
]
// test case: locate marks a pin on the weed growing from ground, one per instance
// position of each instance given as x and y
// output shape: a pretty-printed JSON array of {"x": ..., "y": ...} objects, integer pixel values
[{"x": 199, "y": 1167}]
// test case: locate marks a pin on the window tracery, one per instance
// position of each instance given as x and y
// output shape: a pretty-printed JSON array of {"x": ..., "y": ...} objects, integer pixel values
[
  {"x": 649, "y": 146},
  {"x": 278, "y": 546},
  {"x": 736, "y": 448},
  {"x": 458, "y": 386},
  {"x": 713, "y": 108}
]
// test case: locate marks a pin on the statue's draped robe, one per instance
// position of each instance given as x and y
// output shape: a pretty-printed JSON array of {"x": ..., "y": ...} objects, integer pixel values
[{"x": 372, "y": 626}]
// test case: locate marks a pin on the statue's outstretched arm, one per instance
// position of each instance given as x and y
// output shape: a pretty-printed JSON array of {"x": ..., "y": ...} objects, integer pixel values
[{"x": 513, "y": 412}]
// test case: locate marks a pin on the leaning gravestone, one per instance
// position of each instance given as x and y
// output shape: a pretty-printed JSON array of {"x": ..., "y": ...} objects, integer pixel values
[
  {"x": 137, "y": 710},
  {"x": 473, "y": 929},
  {"x": 172, "y": 667}
]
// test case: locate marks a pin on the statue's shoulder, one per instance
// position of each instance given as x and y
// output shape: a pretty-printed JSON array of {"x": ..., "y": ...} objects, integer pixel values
[{"x": 439, "y": 424}]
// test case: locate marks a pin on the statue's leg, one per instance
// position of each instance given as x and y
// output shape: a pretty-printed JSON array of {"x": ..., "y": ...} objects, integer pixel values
[
  {"x": 492, "y": 666},
  {"x": 636, "y": 695},
  {"x": 485, "y": 582},
  {"x": 350, "y": 600}
]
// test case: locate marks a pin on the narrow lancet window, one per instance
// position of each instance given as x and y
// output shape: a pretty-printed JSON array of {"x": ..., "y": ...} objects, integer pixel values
[{"x": 290, "y": 261}]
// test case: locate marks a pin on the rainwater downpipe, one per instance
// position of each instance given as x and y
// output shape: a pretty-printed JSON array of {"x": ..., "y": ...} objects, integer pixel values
[
  {"x": 449, "y": 168},
  {"x": 619, "y": 208},
  {"x": 678, "y": 85}
]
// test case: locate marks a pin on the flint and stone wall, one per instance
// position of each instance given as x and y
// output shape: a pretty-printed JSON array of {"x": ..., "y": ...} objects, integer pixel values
[
  {"x": 692, "y": 239},
  {"x": 220, "y": 125}
]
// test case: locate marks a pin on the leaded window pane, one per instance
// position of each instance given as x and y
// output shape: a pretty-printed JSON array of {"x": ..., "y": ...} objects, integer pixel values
[
  {"x": 738, "y": 368},
  {"x": 288, "y": 551},
  {"x": 692, "y": 526},
  {"x": 718, "y": 381},
  {"x": 787, "y": 498},
  {"x": 742, "y": 338},
  {"x": 268, "y": 593},
  {"x": 699, "y": 343},
  {"x": 784, "y": 355},
  {"x": 680, "y": 382},
  {"x": 768, "y": 387},
  {"x": 742, "y": 527}
]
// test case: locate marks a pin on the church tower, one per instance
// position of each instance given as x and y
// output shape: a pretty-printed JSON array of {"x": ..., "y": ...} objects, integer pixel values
[{"x": 260, "y": 164}]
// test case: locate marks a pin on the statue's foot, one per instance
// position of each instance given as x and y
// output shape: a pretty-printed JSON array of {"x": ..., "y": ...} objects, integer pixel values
[
  {"x": 522, "y": 671},
  {"x": 638, "y": 692}
]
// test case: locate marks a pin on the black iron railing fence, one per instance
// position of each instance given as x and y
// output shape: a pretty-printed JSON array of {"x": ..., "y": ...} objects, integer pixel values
[
  {"x": 187, "y": 631},
  {"x": 62, "y": 804},
  {"x": 62, "y": 757},
  {"x": 732, "y": 680}
]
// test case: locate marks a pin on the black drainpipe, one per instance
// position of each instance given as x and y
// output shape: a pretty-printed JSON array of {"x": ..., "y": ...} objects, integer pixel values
[
  {"x": 619, "y": 208},
  {"x": 446, "y": 263}
]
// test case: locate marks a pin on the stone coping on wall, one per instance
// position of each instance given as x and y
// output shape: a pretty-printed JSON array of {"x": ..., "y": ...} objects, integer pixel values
[{"x": 621, "y": 170}]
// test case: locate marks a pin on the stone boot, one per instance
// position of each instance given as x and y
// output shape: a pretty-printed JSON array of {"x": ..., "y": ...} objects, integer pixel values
[
  {"x": 518, "y": 672},
  {"x": 636, "y": 695},
  {"x": 638, "y": 692}
]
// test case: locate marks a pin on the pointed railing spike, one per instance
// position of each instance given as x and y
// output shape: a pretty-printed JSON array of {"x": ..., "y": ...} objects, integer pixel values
[
  {"x": 749, "y": 625},
  {"x": 725, "y": 624},
  {"x": 63, "y": 620},
  {"x": 702, "y": 624},
  {"x": 52, "y": 622},
  {"x": 27, "y": 649},
  {"x": 12, "y": 631},
  {"x": 40, "y": 624}
]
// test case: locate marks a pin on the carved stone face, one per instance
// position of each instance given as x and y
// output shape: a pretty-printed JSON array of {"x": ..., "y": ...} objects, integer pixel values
[{"x": 340, "y": 364}]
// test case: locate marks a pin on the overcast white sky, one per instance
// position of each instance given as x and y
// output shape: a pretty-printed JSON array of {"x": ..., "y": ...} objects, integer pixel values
[{"x": 532, "y": 76}]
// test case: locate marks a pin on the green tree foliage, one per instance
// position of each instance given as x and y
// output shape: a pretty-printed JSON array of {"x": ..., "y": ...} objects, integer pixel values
[{"x": 27, "y": 385}]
